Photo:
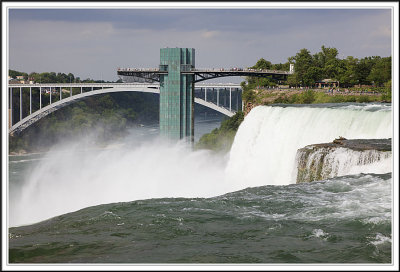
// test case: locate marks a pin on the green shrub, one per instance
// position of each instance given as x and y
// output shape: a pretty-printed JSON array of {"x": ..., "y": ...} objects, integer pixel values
[
  {"x": 221, "y": 139},
  {"x": 307, "y": 97},
  {"x": 248, "y": 96},
  {"x": 363, "y": 99}
]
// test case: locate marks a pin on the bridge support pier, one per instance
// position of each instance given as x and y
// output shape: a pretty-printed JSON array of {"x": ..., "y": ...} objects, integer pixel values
[
  {"x": 50, "y": 95},
  {"x": 40, "y": 97},
  {"x": 20, "y": 103},
  {"x": 11, "y": 106},
  {"x": 230, "y": 99},
  {"x": 30, "y": 100},
  {"x": 218, "y": 97}
]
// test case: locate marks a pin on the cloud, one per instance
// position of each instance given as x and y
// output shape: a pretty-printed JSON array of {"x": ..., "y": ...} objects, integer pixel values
[
  {"x": 93, "y": 43},
  {"x": 209, "y": 34}
]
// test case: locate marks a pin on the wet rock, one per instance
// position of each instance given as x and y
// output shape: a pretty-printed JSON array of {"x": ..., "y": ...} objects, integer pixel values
[{"x": 327, "y": 160}]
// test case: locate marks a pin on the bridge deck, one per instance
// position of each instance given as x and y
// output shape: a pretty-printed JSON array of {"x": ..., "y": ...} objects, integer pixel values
[
  {"x": 153, "y": 74},
  {"x": 207, "y": 70}
]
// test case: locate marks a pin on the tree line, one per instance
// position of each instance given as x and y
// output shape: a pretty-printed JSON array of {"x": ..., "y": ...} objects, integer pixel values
[
  {"x": 52, "y": 77},
  {"x": 325, "y": 64}
]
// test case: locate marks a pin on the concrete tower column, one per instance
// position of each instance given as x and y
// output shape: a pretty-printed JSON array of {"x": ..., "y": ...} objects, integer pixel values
[{"x": 177, "y": 93}]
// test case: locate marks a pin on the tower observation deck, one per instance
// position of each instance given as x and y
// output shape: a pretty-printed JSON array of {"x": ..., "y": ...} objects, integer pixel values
[{"x": 177, "y": 75}]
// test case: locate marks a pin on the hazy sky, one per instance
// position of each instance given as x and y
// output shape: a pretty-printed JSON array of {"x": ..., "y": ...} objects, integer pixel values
[{"x": 93, "y": 43}]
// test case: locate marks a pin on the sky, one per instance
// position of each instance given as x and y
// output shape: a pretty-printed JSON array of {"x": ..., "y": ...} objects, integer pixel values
[{"x": 94, "y": 42}]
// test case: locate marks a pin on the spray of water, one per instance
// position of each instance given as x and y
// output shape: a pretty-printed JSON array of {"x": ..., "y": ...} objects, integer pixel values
[{"x": 71, "y": 177}]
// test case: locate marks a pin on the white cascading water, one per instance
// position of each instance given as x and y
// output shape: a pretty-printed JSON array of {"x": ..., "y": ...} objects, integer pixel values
[
  {"x": 263, "y": 153},
  {"x": 341, "y": 162},
  {"x": 265, "y": 146}
]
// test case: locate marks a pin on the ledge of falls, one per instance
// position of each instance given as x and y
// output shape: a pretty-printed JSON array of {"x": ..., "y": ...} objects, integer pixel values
[{"x": 343, "y": 157}]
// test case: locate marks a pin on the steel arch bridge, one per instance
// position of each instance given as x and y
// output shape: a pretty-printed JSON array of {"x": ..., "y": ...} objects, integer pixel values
[{"x": 104, "y": 88}]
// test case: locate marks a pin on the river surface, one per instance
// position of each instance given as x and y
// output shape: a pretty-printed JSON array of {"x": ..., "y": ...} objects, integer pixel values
[{"x": 145, "y": 201}]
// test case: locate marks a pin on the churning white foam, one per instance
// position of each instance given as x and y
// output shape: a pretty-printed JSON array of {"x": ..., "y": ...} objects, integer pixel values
[
  {"x": 266, "y": 143},
  {"x": 263, "y": 153}
]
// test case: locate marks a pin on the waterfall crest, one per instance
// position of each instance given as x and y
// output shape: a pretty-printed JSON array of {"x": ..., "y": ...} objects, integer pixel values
[{"x": 265, "y": 146}]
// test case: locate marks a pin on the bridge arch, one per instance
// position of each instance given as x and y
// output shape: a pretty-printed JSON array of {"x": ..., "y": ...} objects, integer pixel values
[{"x": 39, "y": 114}]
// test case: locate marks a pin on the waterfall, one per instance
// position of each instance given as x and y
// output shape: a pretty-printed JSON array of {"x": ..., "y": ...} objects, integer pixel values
[
  {"x": 319, "y": 163},
  {"x": 266, "y": 143}
]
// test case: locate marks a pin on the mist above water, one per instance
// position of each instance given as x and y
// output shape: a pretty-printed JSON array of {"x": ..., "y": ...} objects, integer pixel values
[
  {"x": 72, "y": 176},
  {"x": 69, "y": 178}
]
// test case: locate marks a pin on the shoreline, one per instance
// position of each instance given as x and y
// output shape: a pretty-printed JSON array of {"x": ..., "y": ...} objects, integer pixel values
[{"x": 25, "y": 153}]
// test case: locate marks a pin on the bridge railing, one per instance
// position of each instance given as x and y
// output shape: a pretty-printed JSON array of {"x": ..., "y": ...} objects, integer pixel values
[
  {"x": 240, "y": 70},
  {"x": 205, "y": 70}
]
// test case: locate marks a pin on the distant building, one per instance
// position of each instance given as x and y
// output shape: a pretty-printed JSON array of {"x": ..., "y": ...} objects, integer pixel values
[
  {"x": 13, "y": 81},
  {"x": 327, "y": 83},
  {"x": 291, "y": 68}
]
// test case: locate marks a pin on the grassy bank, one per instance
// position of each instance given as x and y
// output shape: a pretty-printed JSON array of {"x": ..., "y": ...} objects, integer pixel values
[{"x": 311, "y": 96}]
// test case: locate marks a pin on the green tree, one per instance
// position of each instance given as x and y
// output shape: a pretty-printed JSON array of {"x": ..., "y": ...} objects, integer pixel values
[
  {"x": 303, "y": 62},
  {"x": 381, "y": 72},
  {"x": 348, "y": 75},
  {"x": 14, "y": 74},
  {"x": 363, "y": 69},
  {"x": 262, "y": 64},
  {"x": 326, "y": 55},
  {"x": 292, "y": 80}
]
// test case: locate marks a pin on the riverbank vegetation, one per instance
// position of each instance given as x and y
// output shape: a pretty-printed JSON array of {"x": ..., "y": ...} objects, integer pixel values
[{"x": 221, "y": 139}]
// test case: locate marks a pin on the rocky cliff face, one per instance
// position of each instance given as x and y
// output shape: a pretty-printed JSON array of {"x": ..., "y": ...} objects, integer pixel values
[{"x": 343, "y": 157}]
